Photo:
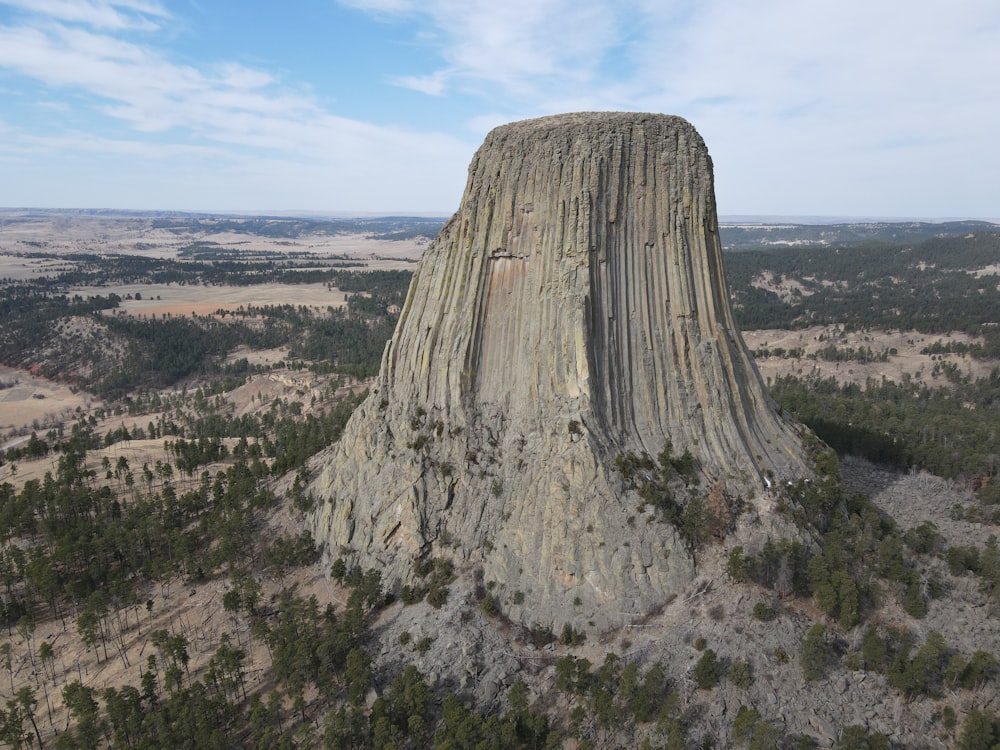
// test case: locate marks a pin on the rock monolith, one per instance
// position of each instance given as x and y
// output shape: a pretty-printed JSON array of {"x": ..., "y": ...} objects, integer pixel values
[{"x": 572, "y": 311}]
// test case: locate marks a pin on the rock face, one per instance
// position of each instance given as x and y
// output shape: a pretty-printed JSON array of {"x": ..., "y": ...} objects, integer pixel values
[{"x": 573, "y": 309}]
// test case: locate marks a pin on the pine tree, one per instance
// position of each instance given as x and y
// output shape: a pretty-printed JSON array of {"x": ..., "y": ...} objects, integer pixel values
[{"x": 815, "y": 653}]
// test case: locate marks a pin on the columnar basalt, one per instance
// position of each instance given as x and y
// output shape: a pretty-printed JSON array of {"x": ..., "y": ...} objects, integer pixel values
[{"x": 573, "y": 310}]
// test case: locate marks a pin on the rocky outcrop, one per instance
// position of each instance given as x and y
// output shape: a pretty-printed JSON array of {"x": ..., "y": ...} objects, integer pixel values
[{"x": 573, "y": 309}]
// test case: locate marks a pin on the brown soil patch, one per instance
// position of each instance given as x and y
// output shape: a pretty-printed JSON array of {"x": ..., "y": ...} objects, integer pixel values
[
  {"x": 65, "y": 234},
  {"x": 182, "y": 300},
  {"x": 788, "y": 290},
  {"x": 29, "y": 401},
  {"x": 907, "y": 361}
]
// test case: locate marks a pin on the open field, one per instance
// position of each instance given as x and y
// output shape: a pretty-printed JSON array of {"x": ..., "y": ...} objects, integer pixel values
[
  {"x": 67, "y": 233},
  {"x": 181, "y": 300},
  {"x": 26, "y": 400},
  {"x": 21, "y": 411},
  {"x": 907, "y": 361}
]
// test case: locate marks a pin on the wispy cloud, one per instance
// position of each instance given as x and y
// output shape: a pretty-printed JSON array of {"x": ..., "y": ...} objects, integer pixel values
[
  {"x": 434, "y": 84},
  {"x": 855, "y": 92},
  {"x": 519, "y": 46},
  {"x": 226, "y": 110},
  {"x": 143, "y": 87},
  {"x": 775, "y": 56},
  {"x": 116, "y": 15},
  {"x": 846, "y": 87}
]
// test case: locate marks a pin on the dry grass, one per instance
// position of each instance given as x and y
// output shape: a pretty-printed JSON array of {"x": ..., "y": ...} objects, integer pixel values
[
  {"x": 28, "y": 400},
  {"x": 178, "y": 606},
  {"x": 65, "y": 234},
  {"x": 192, "y": 299},
  {"x": 907, "y": 361}
]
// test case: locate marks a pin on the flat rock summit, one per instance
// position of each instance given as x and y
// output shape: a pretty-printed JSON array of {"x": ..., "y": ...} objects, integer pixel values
[{"x": 571, "y": 313}]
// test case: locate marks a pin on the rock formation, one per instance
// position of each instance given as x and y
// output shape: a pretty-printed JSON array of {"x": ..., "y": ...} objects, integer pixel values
[{"x": 573, "y": 310}]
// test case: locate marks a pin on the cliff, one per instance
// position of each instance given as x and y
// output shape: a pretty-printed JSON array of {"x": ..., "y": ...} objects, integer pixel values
[{"x": 572, "y": 311}]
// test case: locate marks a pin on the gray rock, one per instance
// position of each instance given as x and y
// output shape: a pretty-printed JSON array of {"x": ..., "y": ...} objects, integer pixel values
[
  {"x": 487, "y": 692},
  {"x": 826, "y": 732},
  {"x": 573, "y": 309}
]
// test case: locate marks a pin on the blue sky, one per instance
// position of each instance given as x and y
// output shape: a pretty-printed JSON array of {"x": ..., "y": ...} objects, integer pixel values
[{"x": 809, "y": 107}]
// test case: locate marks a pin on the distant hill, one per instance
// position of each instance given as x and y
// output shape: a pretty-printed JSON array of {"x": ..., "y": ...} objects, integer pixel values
[
  {"x": 741, "y": 235},
  {"x": 738, "y": 232}
]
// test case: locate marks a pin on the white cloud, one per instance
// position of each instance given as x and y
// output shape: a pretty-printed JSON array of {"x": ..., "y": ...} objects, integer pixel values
[
  {"x": 138, "y": 14},
  {"x": 231, "y": 104},
  {"x": 518, "y": 45},
  {"x": 435, "y": 84},
  {"x": 855, "y": 91},
  {"x": 804, "y": 104},
  {"x": 82, "y": 143},
  {"x": 842, "y": 105},
  {"x": 388, "y": 7},
  {"x": 210, "y": 122}
]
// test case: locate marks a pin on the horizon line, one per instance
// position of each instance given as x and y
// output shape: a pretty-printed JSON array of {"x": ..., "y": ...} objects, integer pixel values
[{"x": 723, "y": 219}]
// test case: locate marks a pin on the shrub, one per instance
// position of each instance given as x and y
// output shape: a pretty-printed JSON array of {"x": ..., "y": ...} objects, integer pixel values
[
  {"x": 856, "y": 737},
  {"x": 746, "y": 717},
  {"x": 437, "y": 596},
  {"x": 490, "y": 605},
  {"x": 706, "y": 671},
  {"x": 923, "y": 539},
  {"x": 740, "y": 674},
  {"x": 424, "y": 644},
  {"x": 763, "y": 612},
  {"x": 753, "y": 731},
  {"x": 914, "y": 603},
  {"x": 948, "y": 717}
]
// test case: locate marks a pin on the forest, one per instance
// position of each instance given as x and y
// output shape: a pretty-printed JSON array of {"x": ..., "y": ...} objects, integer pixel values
[
  {"x": 930, "y": 287},
  {"x": 90, "y": 550},
  {"x": 126, "y": 353}
]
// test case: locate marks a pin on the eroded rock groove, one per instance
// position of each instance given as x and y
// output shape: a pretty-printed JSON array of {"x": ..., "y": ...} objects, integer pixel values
[{"x": 573, "y": 309}]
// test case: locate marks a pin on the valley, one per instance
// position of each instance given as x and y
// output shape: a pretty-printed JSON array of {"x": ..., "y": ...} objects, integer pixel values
[{"x": 159, "y": 586}]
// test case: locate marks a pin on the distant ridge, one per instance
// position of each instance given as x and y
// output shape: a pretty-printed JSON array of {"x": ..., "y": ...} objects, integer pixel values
[
  {"x": 738, "y": 232},
  {"x": 741, "y": 233}
]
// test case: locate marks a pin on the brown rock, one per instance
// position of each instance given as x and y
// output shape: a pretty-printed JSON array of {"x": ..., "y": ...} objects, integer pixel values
[{"x": 574, "y": 308}]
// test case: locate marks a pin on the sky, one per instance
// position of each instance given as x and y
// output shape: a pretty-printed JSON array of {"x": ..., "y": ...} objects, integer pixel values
[{"x": 852, "y": 108}]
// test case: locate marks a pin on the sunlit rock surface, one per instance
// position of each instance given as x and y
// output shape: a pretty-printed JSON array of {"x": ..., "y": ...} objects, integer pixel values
[{"x": 573, "y": 309}]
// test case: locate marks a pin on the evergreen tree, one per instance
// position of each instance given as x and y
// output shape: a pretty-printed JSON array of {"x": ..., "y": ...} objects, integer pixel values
[
  {"x": 814, "y": 653},
  {"x": 706, "y": 671}
]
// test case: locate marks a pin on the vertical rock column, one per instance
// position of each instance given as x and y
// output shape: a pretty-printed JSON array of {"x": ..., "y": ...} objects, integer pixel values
[{"x": 574, "y": 308}]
